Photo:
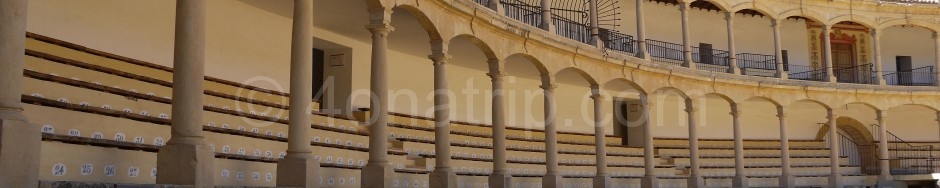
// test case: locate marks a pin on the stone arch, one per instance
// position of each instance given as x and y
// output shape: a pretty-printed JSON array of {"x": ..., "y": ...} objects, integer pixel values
[
  {"x": 587, "y": 77},
  {"x": 824, "y": 105},
  {"x": 808, "y": 14},
  {"x": 903, "y": 21},
  {"x": 480, "y": 44},
  {"x": 854, "y": 19},
  {"x": 426, "y": 23},
  {"x": 762, "y": 98},
  {"x": 763, "y": 9},
  {"x": 671, "y": 90},
  {"x": 542, "y": 69},
  {"x": 722, "y": 5},
  {"x": 632, "y": 84}
]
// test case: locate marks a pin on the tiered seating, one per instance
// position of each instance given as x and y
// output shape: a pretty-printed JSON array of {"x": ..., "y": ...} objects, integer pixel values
[
  {"x": 112, "y": 115},
  {"x": 102, "y": 116}
]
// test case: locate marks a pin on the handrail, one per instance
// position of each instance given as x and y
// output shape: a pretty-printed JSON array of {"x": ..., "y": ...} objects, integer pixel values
[{"x": 911, "y": 159}]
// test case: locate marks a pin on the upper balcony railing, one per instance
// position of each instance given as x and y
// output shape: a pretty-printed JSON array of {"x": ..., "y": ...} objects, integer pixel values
[{"x": 573, "y": 24}]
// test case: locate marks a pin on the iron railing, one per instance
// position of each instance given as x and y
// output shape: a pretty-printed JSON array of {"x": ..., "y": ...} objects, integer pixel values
[
  {"x": 756, "y": 61},
  {"x": 859, "y": 74},
  {"x": 801, "y": 72},
  {"x": 483, "y": 2},
  {"x": 572, "y": 29},
  {"x": 711, "y": 59},
  {"x": 666, "y": 52},
  {"x": 617, "y": 41},
  {"x": 523, "y": 11},
  {"x": 906, "y": 158},
  {"x": 923, "y": 76},
  {"x": 856, "y": 154}
]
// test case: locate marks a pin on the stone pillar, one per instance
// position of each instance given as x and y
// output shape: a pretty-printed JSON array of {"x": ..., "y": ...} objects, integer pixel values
[
  {"x": 778, "y": 50},
  {"x": 19, "y": 140},
  {"x": 884, "y": 163},
  {"x": 732, "y": 54},
  {"x": 686, "y": 43},
  {"x": 500, "y": 177},
  {"x": 547, "y": 16},
  {"x": 876, "y": 53},
  {"x": 495, "y": 5},
  {"x": 936, "y": 41},
  {"x": 297, "y": 169},
  {"x": 443, "y": 175},
  {"x": 740, "y": 178},
  {"x": 552, "y": 177},
  {"x": 827, "y": 54},
  {"x": 595, "y": 30},
  {"x": 695, "y": 177},
  {"x": 642, "y": 52},
  {"x": 835, "y": 176},
  {"x": 377, "y": 169},
  {"x": 649, "y": 164},
  {"x": 186, "y": 159},
  {"x": 787, "y": 180},
  {"x": 602, "y": 178}
]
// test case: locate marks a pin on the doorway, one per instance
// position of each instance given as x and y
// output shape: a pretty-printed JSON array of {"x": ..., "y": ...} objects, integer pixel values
[
  {"x": 317, "y": 80},
  {"x": 843, "y": 63},
  {"x": 628, "y": 122}
]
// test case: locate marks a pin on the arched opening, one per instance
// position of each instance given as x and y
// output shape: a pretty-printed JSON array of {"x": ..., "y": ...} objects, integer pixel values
[
  {"x": 856, "y": 144},
  {"x": 850, "y": 44},
  {"x": 626, "y": 115},
  {"x": 908, "y": 55}
]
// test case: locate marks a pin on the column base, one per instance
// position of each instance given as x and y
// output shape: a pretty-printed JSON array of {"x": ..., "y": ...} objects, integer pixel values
[
  {"x": 20, "y": 144},
  {"x": 443, "y": 177},
  {"x": 186, "y": 164},
  {"x": 783, "y": 76},
  {"x": 835, "y": 180},
  {"x": 500, "y": 180},
  {"x": 833, "y": 80},
  {"x": 787, "y": 181},
  {"x": 379, "y": 175},
  {"x": 552, "y": 179},
  {"x": 739, "y": 181},
  {"x": 602, "y": 181},
  {"x": 297, "y": 171},
  {"x": 649, "y": 181},
  {"x": 696, "y": 180}
]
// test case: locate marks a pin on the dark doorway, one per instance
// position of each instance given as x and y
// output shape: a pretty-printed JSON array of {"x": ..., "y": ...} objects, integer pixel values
[
  {"x": 318, "y": 63},
  {"x": 904, "y": 68},
  {"x": 705, "y": 53},
  {"x": 628, "y": 122}
]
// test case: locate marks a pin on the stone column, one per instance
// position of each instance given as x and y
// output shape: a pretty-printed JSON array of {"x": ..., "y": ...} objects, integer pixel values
[
  {"x": 552, "y": 177},
  {"x": 695, "y": 177},
  {"x": 297, "y": 169},
  {"x": 19, "y": 140},
  {"x": 500, "y": 177},
  {"x": 641, "y": 52},
  {"x": 786, "y": 179},
  {"x": 827, "y": 54},
  {"x": 649, "y": 164},
  {"x": 876, "y": 53},
  {"x": 186, "y": 159},
  {"x": 602, "y": 178},
  {"x": 686, "y": 43},
  {"x": 740, "y": 178},
  {"x": 936, "y": 41},
  {"x": 443, "y": 175},
  {"x": 377, "y": 169},
  {"x": 884, "y": 163},
  {"x": 835, "y": 176},
  {"x": 778, "y": 50},
  {"x": 595, "y": 30},
  {"x": 495, "y": 5},
  {"x": 732, "y": 54},
  {"x": 547, "y": 16}
]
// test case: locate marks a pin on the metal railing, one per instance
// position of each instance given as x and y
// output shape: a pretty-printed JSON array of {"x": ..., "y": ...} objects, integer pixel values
[
  {"x": 906, "y": 158},
  {"x": 483, "y": 2},
  {"x": 859, "y": 74},
  {"x": 665, "y": 52},
  {"x": 572, "y": 29},
  {"x": 857, "y": 154},
  {"x": 756, "y": 61},
  {"x": 617, "y": 41},
  {"x": 711, "y": 59},
  {"x": 522, "y": 11},
  {"x": 923, "y": 76},
  {"x": 801, "y": 72}
]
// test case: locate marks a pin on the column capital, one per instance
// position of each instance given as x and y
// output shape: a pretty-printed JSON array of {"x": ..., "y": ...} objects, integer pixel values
[
  {"x": 729, "y": 16},
  {"x": 439, "y": 59},
  {"x": 936, "y": 35},
  {"x": 830, "y": 114},
  {"x": 548, "y": 87},
  {"x": 380, "y": 28},
  {"x": 875, "y": 32},
  {"x": 683, "y": 6},
  {"x": 734, "y": 110},
  {"x": 780, "y": 112},
  {"x": 597, "y": 97},
  {"x": 496, "y": 76},
  {"x": 439, "y": 46},
  {"x": 881, "y": 115},
  {"x": 689, "y": 106},
  {"x": 775, "y": 23}
]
